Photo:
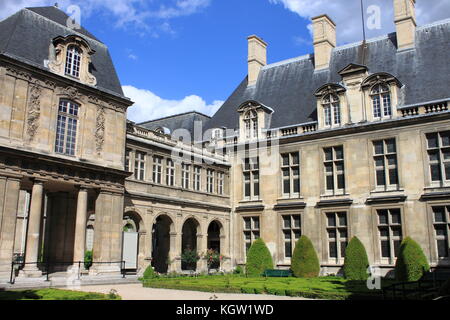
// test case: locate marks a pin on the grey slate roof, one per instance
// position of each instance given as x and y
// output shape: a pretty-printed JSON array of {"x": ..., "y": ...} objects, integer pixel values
[
  {"x": 179, "y": 121},
  {"x": 26, "y": 36},
  {"x": 288, "y": 87}
]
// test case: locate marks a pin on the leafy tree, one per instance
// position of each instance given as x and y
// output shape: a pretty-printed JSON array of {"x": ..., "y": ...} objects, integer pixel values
[
  {"x": 356, "y": 261},
  {"x": 259, "y": 259},
  {"x": 305, "y": 263},
  {"x": 411, "y": 261}
]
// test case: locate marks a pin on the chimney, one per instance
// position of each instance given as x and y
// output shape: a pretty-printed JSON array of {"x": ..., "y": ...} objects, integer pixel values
[
  {"x": 324, "y": 40},
  {"x": 405, "y": 23},
  {"x": 257, "y": 58}
]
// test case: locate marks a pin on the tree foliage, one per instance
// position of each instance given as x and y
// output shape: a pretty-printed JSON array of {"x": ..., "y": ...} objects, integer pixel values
[
  {"x": 356, "y": 261},
  {"x": 305, "y": 263},
  {"x": 259, "y": 259}
]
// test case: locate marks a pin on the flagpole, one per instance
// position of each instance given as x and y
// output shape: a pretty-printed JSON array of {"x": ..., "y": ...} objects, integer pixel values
[{"x": 363, "y": 22}]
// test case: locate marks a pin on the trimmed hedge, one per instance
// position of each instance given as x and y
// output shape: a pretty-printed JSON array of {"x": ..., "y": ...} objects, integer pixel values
[
  {"x": 305, "y": 263},
  {"x": 150, "y": 273},
  {"x": 259, "y": 259},
  {"x": 356, "y": 261},
  {"x": 411, "y": 261}
]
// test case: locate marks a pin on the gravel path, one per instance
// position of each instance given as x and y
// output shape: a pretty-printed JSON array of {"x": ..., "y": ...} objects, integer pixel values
[{"x": 138, "y": 292}]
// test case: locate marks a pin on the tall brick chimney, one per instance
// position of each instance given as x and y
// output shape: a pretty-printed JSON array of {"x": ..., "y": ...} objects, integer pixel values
[
  {"x": 405, "y": 23},
  {"x": 257, "y": 58},
  {"x": 324, "y": 40}
]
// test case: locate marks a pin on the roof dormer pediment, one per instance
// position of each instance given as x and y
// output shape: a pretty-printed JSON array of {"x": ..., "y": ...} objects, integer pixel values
[{"x": 353, "y": 68}]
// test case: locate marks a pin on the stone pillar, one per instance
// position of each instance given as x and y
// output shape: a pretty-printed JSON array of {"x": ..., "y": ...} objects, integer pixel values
[
  {"x": 175, "y": 252},
  {"x": 34, "y": 227},
  {"x": 202, "y": 266},
  {"x": 107, "y": 251},
  {"x": 80, "y": 226},
  {"x": 9, "y": 199}
]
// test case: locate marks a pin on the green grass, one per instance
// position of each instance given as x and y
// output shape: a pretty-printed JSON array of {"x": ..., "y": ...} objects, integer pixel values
[
  {"x": 335, "y": 288},
  {"x": 55, "y": 294}
]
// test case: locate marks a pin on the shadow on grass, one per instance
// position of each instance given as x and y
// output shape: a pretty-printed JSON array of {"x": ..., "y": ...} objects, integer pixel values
[{"x": 19, "y": 295}]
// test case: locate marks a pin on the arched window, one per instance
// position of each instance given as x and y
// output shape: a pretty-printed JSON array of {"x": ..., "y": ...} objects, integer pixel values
[
  {"x": 331, "y": 110},
  {"x": 381, "y": 101},
  {"x": 73, "y": 61},
  {"x": 251, "y": 124},
  {"x": 66, "y": 128}
]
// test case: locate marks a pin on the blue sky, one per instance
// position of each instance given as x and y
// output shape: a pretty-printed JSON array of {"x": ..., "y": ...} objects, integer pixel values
[{"x": 179, "y": 55}]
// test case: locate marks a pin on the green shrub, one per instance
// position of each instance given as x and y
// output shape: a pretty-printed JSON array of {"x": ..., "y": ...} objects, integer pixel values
[
  {"x": 305, "y": 263},
  {"x": 238, "y": 270},
  {"x": 356, "y": 261},
  {"x": 411, "y": 261},
  {"x": 150, "y": 273},
  {"x": 259, "y": 259},
  {"x": 88, "y": 259}
]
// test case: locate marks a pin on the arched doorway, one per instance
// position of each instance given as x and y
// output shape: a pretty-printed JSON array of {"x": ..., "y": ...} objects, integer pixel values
[
  {"x": 189, "y": 244},
  {"x": 161, "y": 244},
  {"x": 214, "y": 232}
]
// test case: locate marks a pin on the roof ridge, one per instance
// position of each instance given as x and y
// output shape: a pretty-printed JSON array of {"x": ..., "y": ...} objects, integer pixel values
[
  {"x": 174, "y": 115},
  {"x": 63, "y": 26}
]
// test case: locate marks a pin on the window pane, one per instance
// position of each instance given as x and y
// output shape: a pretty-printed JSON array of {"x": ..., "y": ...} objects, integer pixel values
[
  {"x": 286, "y": 172},
  {"x": 341, "y": 181},
  {"x": 328, "y": 154},
  {"x": 447, "y": 171},
  {"x": 445, "y": 138},
  {"x": 342, "y": 219},
  {"x": 287, "y": 222},
  {"x": 288, "y": 249},
  {"x": 296, "y": 185},
  {"x": 381, "y": 179},
  {"x": 435, "y": 172},
  {"x": 287, "y": 235},
  {"x": 296, "y": 221},
  {"x": 343, "y": 247},
  {"x": 393, "y": 177},
  {"x": 339, "y": 153},
  {"x": 442, "y": 247},
  {"x": 383, "y": 217},
  {"x": 441, "y": 230},
  {"x": 285, "y": 159},
  {"x": 343, "y": 234},
  {"x": 332, "y": 234},
  {"x": 256, "y": 223},
  {"x": 385, "y": 249},
  {"x": 295, "y": 158},
  {"x": 397, "y": 232},
  {"x": 432, "y": 140},
  {"x": 395, "y": 216},
  {"x": 378, "y": 146},
  {"x": 390, "y": 146},
  {"x": 247, "y": 189},
  {"x": 297, "y": 234},
  {"x": 247, "y": 223},
  {"x": 331, "y": 220},
  {"x": 333, "y": 250},
  {"x": 330, "y": 183},
  {"x": 286, "y": 186},
  {"x": 439, "y": 214},
  {"x": 384, "y": 232}
]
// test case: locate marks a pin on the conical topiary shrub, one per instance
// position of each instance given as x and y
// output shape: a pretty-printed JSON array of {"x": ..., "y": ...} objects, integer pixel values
[
  {"x": 305, "y": 263},
  {"x": 411, "y": 261},
  {"x": 259, "y": 259},
  {"x": 150, "y": 273},
  {"x": 356, "y": 261}
]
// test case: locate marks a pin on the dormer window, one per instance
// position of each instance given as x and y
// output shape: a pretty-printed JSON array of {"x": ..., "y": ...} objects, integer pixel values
[
  {"x": 73, "y": 61},
  {"x": 331, "y": 110},
  {"x": 251, "y": 124},
  {"x": 381, "y": 101}
]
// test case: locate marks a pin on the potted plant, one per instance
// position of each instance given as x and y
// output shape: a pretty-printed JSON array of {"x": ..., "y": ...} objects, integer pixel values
[
  {"x": 213, "y": 259},
  {"x": 190, "y": 258}
]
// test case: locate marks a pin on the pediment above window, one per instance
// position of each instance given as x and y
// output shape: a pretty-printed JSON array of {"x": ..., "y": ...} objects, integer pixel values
[
  {"x": 329, "y": 88},
  {"x": 71, "y": 57},
  {"x": 254, "y": 105},
  {"x": 352, "y": 69},
  {"x": 380, "y": 78}
]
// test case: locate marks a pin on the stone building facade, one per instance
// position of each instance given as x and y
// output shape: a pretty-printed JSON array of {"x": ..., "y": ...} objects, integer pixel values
[{"x": 348, "y": 141}]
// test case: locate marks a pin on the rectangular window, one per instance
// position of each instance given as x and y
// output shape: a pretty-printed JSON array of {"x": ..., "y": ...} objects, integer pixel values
[
  {"x": 197, "y": 178},
  {"x": 139, "y": 166},
  {"x": 251, "y": 178},
  {"x": 334, "y": 170},
  {"x": 220, "y": 183},
  {"x": 337, "y": 231},
  {"x": 66, "y": 128},
  {"x": 185, "y": 175},
  {"x": 251, "y": 231},
  {"x": 438, "y": 147},
  {"x": 390, "y": 232},
  {"x": 385, "y": 159},
  {"x": 128, "y": 160},
  {"x": 210, "y": 181},
  {"x": 157, "y": 169},
  {"x": 170, "y": 173},
  {"x": 337, "y": 113},
  {"x": 291, "y": 228},
  {"x": 327, "y": 115},
  {"x": 441, "y": 223},
  {"x": 290, "y": 171},
  {"x": 376, "y": 102}
]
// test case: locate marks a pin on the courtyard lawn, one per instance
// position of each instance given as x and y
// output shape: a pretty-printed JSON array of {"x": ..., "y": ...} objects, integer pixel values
[
  {"x": 335, "y": 288},
  {"x": 55, "y": 294}
]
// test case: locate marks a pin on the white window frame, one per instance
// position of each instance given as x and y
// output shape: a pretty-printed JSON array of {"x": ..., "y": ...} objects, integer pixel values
[
  {"x": 157, "y": 169},
  {"x": 291, "y": 177},
  {"x": 74, "y": 58},
  {"x": 67, "y": 127},
  {"x": 139, "y": 166},
  {"x": 381, "y": 97}
]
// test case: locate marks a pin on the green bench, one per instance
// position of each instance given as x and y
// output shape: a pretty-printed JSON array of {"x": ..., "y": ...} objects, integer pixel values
[{"x": 272, "y": 273}]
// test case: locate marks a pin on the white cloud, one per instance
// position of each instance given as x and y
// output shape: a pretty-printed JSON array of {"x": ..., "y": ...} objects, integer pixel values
[
  {"x": 149, "y": 106},
  {"x": 347, "y": 14},
  {"x": 143, "y": 14}
]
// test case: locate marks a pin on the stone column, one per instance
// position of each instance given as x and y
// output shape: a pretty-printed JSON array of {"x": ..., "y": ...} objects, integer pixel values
[
  {"x": 175, "y": 252},
  {"x": 202, "y": 266},
  {"x": 80, "y": 226},
  {"x": 34, "y": 227},
  {"x": 9, "y": 198}
]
